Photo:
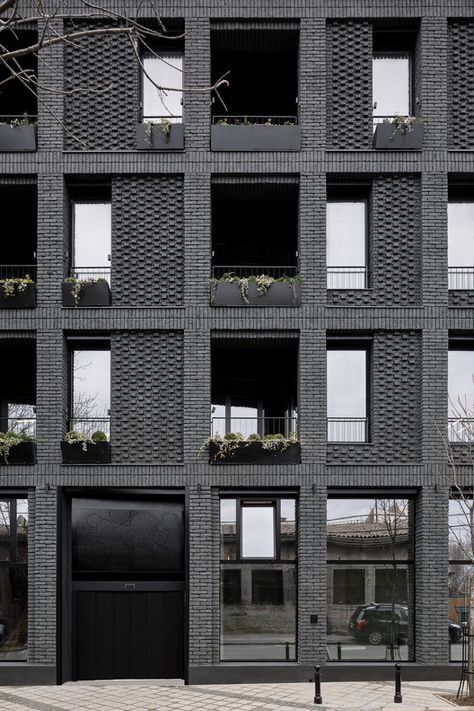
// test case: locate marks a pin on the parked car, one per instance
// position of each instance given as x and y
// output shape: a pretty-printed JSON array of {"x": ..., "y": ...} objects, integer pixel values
[{"x": 371, "y": 624}]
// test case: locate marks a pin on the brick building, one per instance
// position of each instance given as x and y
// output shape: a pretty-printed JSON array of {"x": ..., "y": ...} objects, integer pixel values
[{"x": 346, "y": 358}]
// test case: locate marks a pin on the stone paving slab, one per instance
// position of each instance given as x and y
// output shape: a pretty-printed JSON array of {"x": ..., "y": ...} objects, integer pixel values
[{"x": 160, "y": 696}]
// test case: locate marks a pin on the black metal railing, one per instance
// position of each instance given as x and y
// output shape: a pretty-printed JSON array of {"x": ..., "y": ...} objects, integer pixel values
[
  {"x": 461, "y": 278},
  {"x": 17, "y": 271},
  {"x": 19, "y": 425},
  {"x": 348, "y": 429},
  {"x": 91, "y": 273},
  {"x": 245, "y": 271},
  {"x": 89, "y": 425},
  {"x": 347, "y": 278},
  {"x": 162, "y": 119},
  {"x": 252, "y": 120},
  {"x": 19, "y": 119},
  {"x": 254, "y": 425},
  {"x": 460, "y": 429}
]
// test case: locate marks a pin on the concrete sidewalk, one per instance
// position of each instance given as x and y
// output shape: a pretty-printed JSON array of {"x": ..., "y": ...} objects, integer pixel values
[{"x": 169, "y": 696}]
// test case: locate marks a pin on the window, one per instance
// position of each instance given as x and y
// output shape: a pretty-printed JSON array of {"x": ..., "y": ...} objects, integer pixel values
[
  {"x": 92, "y": 239},
  {"x": 370, "y": 546},
  {"x": 90, "y": 392},
  {"x": 460, "y": 391},
  {"x": 13, "y": 578},
  {"x": 346, "y": 235},
  {"x": 461, "y": 245},
  {"x": 258, "y": 579},
  {"x": 347, "y": 394},
  {"x": 461, "y": 566},
  {"x": 163, "y": 69},
  {"x": 391, "y": 85}
]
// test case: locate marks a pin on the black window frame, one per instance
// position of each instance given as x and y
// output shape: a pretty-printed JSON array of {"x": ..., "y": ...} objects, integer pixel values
[
  {"x": 101, "y": 343},
  {"x": 151, "y": 52}
]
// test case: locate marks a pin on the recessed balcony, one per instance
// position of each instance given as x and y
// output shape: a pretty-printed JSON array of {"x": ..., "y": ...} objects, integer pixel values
[
  {"x": 18, "y": 206},
  {"x": 18, "y": 402}
]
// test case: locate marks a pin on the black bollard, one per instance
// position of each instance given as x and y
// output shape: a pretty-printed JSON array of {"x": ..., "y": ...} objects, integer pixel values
[
  {"x": 287, "y": 651},
  {"x": 318, "y": 699},
  {"x": 339, "y": 651},
  {"x": 397, "y": 699}
]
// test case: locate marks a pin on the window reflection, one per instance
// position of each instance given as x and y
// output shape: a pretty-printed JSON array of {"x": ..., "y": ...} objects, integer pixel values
[
  {"x": 461, "y": 245},
  {"x": 13, "y": 579},
  {"x": 91, "y": 391},
  {"x": 258, "y": 532},
  {"x": 92, "y": 240},
  {"x": 460, "y": 393},
  {"x": 347, "y": 395},
  {"x": 346, "y": 245},
  {"x": 391, "y": 86},
  {"x": 163, "y": 71}
]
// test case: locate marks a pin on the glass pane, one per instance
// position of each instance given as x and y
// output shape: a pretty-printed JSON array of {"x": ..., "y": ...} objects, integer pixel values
[
  {"x": 258, "y": 532},
  {"x": 244, "y": 420},
  {"x": 91, "y": 391},
  {"x": 458, "y": 606},
  {"x": 13, "y": 613},
  {"x": 346, "y": 395},
  {"x": 165, "y": 71},
  {"x": 391, "y": 86},
  {"x": 258, "y": 622},
  {"x": 370, "y": 611},
  {"x": 228, "y": 529},
  {"x": 461, "y": 388},
  {"x": 92, "y": 238},
  {"x": 22, "y": 418},
  {"x": 461, "y": 523},
  {"x": 288, "y": 529},
  {"x": 346, "y": 244},
  {"x": 370, "y": 529},
  {"x": 4, "y": 530},
  {"x": 218, "y": 420},
  {"x": 22, "y": 530},
  {"x": 461, "y": 234}
]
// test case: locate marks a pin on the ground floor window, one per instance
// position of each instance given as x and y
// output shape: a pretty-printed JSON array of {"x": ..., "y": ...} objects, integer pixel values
[
  {"x": 258, "y": 579},
  {"x": 461, "y": 567},
  {"x": 13, "y": 578},
  {"x": 370, "y": 578}
]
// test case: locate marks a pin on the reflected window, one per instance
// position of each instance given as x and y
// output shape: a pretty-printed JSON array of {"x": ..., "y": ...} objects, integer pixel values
[
  {"x": 90, "y": 405},
  {"x": 347, "y": 395},
  {"x": 461, "y": 245},
  {"x": 461, "y": 567},
  {"x": 163, "y": 87},
  {"x": 461, "y": 392},
  {"x": 346, "y": 250},
  {"x": 258, "y": 583},
  {"x": 391, "y": 86},
  {"x": 13, "y": 578},
  {"x": 92, "y": 239},
  {"x": 370, "y": 579}
]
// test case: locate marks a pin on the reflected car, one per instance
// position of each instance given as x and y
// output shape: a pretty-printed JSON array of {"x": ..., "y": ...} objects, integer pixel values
[
  {"x": 373, "y": 623},
  {"x": 455, "y": 632}
]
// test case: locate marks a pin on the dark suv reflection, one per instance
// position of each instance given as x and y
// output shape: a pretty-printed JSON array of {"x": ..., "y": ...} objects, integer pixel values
[{"x": 379, "y": 623}]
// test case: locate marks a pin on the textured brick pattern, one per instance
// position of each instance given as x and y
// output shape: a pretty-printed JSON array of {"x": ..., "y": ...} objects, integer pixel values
[
  {"x": 461, "y": 84},
  {"x": 148, "y": 240},
  {"x": 147, "y": 397},
  {"x": 104, "y": 116},
  {"x": 349, "y": 84}
]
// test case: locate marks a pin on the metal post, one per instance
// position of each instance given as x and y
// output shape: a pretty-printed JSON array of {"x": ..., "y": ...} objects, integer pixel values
[
  {"x": 287, "y": 651},
  {"x": 339, "y": 651},
  {"x": 397, "y": 699},
  {"x": 318, "y": 699}
]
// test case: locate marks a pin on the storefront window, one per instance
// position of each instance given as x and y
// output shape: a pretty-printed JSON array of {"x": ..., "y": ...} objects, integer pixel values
[{"x": 13, "y": 579}]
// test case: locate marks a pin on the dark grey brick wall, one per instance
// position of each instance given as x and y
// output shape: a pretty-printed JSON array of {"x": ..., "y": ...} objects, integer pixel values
[
  {"x": 148, "y": 240},
  {"x": 460, "y": 84},
  {"x": 147, "y": 396}
]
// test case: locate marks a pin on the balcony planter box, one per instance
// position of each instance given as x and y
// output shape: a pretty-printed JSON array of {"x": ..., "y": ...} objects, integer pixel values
[
  {"x": 279, "y": 294},
  {"x": 98, "y": 453},
  {"x": 25, "y": 299},
  {"x": 255, "y": 138},
  {"x": 253, "y": 453},
  {"x": 387, "y": 138},
  {"x": 158, "y": 141},
  {"x": 17, "y": 138},
  {"x": 22, "y": 453},
  {"x": 91, "y": 294}
]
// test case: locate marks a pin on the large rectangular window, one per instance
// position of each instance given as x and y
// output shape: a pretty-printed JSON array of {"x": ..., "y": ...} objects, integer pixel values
[
  {"x": 92, "y": 239},
  {"x": 461, "y": 391},
  {"x": 13, "y": 578},
  {"x": 346, "y": 244},
  {"x": 461, "y": 245},
  {"x": 391, "y": 85},
  {"x": 90, "y": 391},
  {"x": 461, "y": 566},
  {"x": 370, "y": 578},
  {"x": 258, "y": 579},
  {"x": 347, "y": 394},
  {"x": 162, "y": 87}
]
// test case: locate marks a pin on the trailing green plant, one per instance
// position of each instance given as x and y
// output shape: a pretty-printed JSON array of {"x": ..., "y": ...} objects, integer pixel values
[
  {"x": 79, "y": 284},
  {"x": 165, "y": 125},
  {"x": 401, "y": 124},
  {"x": 16, "y": 285},
  {"x": 227, "y": 445},
  {"x": 11, "y": 439},
  {"x": 263, "y": 282},
  {"x": 73, "y": 437}
]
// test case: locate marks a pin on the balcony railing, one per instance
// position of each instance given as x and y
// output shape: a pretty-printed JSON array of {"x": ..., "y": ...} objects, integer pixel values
[
  {"x": 252, "y": 120},
  {"x": 347, "y": 278},
  {"x": 91, "y": 273},
  {"x": 164, "y": 119},
  {"x": 17, "y": 271},
  {"x": 246, "y": 271},
  {"x": 89, "y": 425},
  {"x": 19, "y": 119},
  {"x": 461, "y": 278},
  {"x": 19, "y": 425},
  {"x": 254, "y": 425},
  {"x": 348, "y": 429},
  {"x": 460, "y": 430}
]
